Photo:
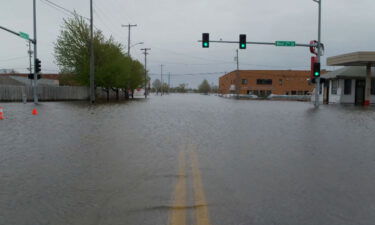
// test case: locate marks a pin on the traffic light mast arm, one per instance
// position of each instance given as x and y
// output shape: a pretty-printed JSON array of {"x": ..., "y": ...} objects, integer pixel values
[
  {"x": 259, "y": 43},
  {"x": 15, "y": 33}
]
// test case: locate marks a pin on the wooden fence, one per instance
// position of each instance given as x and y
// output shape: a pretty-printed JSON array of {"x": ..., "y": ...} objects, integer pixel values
[{"x": 45, "y": 93}]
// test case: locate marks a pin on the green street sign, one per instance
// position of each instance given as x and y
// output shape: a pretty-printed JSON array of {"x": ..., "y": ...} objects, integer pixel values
[
  {"x": 24, "y": 35},
  {"x": 285, "y": 43}
]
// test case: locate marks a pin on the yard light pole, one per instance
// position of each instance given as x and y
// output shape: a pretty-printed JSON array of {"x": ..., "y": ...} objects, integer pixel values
[
  {"x": 139, "y": 43},
  {"x": 317, "y": 81}
]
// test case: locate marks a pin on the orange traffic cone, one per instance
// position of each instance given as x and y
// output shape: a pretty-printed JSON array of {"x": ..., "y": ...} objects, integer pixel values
[
  {"x": 1, "y": 113},
  {"x": 35, "y": 112}
]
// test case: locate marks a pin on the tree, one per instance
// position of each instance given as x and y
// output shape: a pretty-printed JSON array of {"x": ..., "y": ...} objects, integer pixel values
[
  {"x": 204, "y": 87},
  {"x": 156, "y": 85},
  {"x": 214, "y": 89},
  {"x": 181, "y": 88},
  {"x": 72, "y": 48},
  {"x": 137, "y": 78},
  {"x": 114, "y": 70},
  {"x": 165, "y": 88}
]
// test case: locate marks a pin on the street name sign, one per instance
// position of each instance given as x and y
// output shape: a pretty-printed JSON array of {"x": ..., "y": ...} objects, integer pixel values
[
  {"x": 24, "y": 35},
  {"x": 285, "y": 43}
]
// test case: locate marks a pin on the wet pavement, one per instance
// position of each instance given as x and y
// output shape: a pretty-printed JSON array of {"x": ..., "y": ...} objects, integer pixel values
[{"x": 187, "y": 159}]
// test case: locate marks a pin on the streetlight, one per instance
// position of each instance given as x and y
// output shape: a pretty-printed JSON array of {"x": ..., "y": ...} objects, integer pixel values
[{"x": 139, "y": 43}]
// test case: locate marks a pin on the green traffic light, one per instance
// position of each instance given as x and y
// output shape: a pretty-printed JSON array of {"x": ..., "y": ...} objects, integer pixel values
[
  {"x": 205, "y": 44},
  {"x": 316, "y": 73},
  {"x": 243, "y": 45}
]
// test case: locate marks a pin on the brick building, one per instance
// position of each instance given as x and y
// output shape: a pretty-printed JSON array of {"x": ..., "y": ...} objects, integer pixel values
[{"x": 266, "y": 82}]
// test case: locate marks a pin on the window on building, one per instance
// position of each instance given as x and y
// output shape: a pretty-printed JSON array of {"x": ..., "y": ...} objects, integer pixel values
[
  {"x": 262, "y": 93},
  {"x": 281, "y": 82},
  {"x": 299, "y": 92},
  {"x": 334, "y": 87},
  {"x": 244, "y": 81},
  {"x": 347, "y": 86},
  {"x": 268, "y": 93},
  {"x": 256, "y": 92},
  {"x": 287, "y": 93},
  {"x": 264, "y": 81},
  {"x": 306, "y": 93},
  {"x": 294, "y": 92},
  {"x": 373, "y": 87}
]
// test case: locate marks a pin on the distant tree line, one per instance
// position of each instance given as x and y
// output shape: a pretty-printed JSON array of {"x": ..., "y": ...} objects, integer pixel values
[
  {"x": 204, "y": 88},
  {"x": 114, "y": 69}
]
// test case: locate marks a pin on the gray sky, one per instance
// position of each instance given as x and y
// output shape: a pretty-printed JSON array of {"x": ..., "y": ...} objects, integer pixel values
[{"x": 172, "y": 27}]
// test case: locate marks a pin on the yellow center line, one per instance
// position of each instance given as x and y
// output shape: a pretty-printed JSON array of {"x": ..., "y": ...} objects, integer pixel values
[
  {"x": 201, "y": 212},
  {"x": 178, "y": 211}
]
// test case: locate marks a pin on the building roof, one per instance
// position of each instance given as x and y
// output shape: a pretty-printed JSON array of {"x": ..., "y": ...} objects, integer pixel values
[
  {"x": 20, "y": 79},
  {"x": 7, "y": 80},
  {"x": 44, "y": 76},
  {"x": 352, "y": 59},
  {"x": 349, "y": 72},
  {"x": 299, "y": 73}
]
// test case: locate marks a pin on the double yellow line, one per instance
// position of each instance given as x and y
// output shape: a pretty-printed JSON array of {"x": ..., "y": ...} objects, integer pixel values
[{"x": 179, "y": 208}]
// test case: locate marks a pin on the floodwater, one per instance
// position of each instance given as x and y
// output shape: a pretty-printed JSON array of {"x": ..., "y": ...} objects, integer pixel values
[{"x": 187, "y": 159}]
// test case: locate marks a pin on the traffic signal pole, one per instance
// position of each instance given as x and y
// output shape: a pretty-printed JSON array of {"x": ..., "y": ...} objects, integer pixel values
[
  {"x": 238, "y": 82},
  {"x": 261, "y": 43},
  {"x": 35, "y": 57},
  {"x": 92, "y": 59},
  {"x": 317, "y": 90},
  {"x": 206, "y": 43}
]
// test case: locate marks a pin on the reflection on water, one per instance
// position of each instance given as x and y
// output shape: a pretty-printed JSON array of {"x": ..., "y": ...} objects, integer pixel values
[{"x": 262, "y": 162}]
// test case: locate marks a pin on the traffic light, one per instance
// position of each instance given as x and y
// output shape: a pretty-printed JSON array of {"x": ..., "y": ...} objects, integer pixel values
[
  {"x": 316, "y": 69},
  {"x": 205, "y": 40},
  {"x": 31, "y": 76},
  {"x": 242, "y": 41},
  {"x": 38, "y": 67}
]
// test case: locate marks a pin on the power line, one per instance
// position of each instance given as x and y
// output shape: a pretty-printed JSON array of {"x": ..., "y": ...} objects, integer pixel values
[
  {"x": 11, "y": 59},
  {"x": 62, "y": 9},
  {"x": 101, "y": 18},
  {"x": 191, "y": 74},
  {"x": 187, "y": 64},
  {"x": 54, "y": 7},
  {"x": 191, "y": 56}
]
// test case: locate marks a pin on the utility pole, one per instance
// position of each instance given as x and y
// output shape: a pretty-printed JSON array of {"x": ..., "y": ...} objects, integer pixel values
[
  {"x": 145, "y": 53},
  {"x": 129, "y": 26},
  {"x": 92, "y": 68},
  {"x": 30, "y": 52},
  {"x": 161, "y": 80},
  {"x": 317, "y": 91},
  {"x": 237, "y": 77},
  {"x": 169, "y": 82},
  {"x": 35, "y": 93}
]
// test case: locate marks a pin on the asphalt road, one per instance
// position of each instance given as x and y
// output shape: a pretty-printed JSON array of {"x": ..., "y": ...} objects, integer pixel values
[{"x": 187, "y": 159}]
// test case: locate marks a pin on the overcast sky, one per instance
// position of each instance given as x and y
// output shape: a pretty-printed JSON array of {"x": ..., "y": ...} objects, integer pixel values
[{"x": 171, "y": 29}]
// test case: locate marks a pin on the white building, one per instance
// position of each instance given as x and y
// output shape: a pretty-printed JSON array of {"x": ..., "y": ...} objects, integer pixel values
[
  {"x": 347, "y": 85},
  {"x": 352, "y": 84}
]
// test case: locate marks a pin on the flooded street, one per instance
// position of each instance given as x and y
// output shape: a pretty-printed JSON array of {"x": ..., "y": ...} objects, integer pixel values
[{"x": 187, "y": 159}]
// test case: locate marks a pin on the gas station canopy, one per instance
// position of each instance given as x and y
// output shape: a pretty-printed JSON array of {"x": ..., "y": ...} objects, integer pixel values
[{"x": 353, "y": 59}]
